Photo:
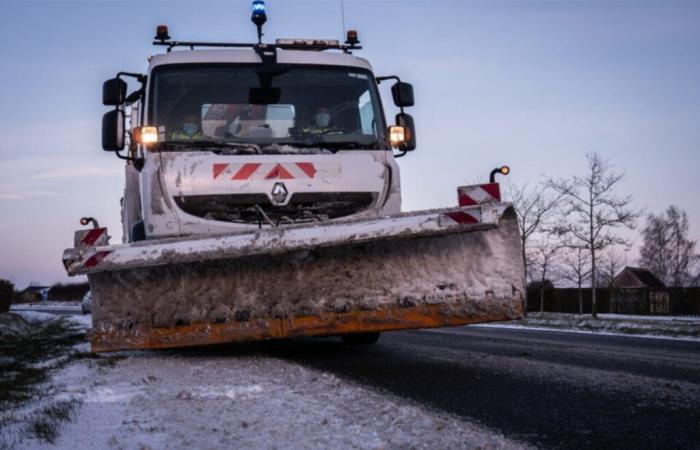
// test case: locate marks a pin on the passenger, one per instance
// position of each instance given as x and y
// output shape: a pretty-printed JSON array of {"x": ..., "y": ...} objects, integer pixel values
[{"x": 189, "y": 130}]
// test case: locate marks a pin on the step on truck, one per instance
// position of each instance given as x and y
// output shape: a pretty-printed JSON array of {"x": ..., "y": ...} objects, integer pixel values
[{"x": 263, "y": 200}]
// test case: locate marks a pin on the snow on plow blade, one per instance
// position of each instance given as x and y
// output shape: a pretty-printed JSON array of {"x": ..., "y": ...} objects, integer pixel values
[{"x": 413, "y": 270}]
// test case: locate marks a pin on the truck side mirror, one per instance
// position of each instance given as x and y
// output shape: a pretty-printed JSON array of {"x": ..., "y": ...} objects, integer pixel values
[
  {"x": 113, "y": 131},
  {"x": 402, "y": 94},
  {"x": 406, "y": 121},
  {"x": 403, "y": 135},
  {"x": 114, "y": 92}
]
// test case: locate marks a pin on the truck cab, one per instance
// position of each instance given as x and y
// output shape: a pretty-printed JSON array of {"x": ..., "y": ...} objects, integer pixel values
[{"x": 255, "y": 136}]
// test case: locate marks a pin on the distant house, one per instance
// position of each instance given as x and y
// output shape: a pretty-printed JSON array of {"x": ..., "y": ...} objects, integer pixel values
[
  {"x": 34, "y": 294},
  {"x": 636, "y": 277},
  {"x": 638, "y": 291}
]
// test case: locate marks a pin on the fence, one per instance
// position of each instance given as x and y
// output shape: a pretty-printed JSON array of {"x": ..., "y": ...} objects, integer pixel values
[
  {"x": 67, "y": 292},
  {"x": 673, "y": 301}
]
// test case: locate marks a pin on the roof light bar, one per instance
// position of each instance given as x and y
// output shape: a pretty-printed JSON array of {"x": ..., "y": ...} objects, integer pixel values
[{"x": 307, "y": 42}]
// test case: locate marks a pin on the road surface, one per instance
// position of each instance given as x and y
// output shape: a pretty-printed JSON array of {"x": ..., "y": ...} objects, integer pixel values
[{"x": 550, "y": 389}]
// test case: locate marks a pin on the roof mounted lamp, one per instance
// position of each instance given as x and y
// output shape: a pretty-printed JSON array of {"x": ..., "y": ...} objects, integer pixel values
[
  {"x": 259, "y": 17},
  {"x": 162, "y": 33},
  {"x": 351, "y": 38}
]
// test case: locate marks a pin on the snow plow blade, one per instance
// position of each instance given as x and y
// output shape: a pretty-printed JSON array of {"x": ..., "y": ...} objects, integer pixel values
[{"x": 414, "y": 270}]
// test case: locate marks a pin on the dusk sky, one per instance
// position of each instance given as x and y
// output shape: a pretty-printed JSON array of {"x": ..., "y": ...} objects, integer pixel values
[{"x": 535, "y": 85}]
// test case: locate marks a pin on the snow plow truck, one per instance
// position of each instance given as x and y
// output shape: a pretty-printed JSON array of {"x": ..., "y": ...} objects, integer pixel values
[{"x": 262, "y": 200}]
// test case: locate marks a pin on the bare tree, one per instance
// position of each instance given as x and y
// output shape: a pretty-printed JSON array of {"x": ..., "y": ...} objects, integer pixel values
[
  {"x": 542, "y": 258},
  {"x": 593, "y": 211},
  {"x": 696, "y": 271},
  {"x": 667, "y": 251},
  {"x": 577, "y": 269},
  {"x": 611, "y": 262},
  {"x": 655, "y": 252},
  {"x": 534, "y": 207},
  {"x": 682, "y": 248}
]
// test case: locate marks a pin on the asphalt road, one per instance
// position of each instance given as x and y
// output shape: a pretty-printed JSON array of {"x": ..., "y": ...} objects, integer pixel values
[{"x": 550, "y": 389}]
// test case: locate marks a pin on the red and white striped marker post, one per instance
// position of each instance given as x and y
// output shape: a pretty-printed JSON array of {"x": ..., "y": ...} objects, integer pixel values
[
  {"x": 86, "y": 242},
  {"x": 478, "y": 194},
  {"x": 95, "y": 237},
  {"x": 474, "y": 195}
]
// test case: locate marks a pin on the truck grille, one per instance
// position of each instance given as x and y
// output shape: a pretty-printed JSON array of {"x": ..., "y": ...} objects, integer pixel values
[{"x": 302, "y": 207}]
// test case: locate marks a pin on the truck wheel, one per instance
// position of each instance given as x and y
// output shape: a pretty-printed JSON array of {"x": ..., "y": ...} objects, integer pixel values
[
  {"x": 138, "y": 231},
  {"x": 360, "y": 338}
]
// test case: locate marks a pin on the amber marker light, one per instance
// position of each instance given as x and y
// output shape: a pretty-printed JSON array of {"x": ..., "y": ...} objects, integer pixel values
[
  {"x": 503, "y": 170},
  {"x": 397, "y": 135},
  {"x": 146, "y": 135}
]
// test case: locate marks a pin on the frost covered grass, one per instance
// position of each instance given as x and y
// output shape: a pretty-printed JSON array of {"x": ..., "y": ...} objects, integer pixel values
[
  {"x": 44, "y": 424},
  {"x": 46, "y": 305},
  {"x": 245, "y": 396},
  {"x": 664, "y": 326},
  {"x": 29, "y": 351}
]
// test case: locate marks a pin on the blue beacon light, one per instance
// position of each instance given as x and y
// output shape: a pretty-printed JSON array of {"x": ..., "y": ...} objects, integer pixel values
[
  {"x": 259, "y": 12},
  {"x": 259, "y": 17}
]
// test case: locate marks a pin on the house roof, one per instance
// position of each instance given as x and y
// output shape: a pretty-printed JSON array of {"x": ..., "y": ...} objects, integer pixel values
[
  {"x": 644, "y": 276},
  {"x": 35, "y": 288}
]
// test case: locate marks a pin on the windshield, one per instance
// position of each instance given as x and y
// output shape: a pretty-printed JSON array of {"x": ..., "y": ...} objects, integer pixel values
[{"x": 267, "y": 105}]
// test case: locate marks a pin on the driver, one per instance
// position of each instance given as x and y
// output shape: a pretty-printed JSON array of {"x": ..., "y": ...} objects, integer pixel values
[
  {"x": 321, "y": 123},
  {"x": 189, "y": 130}
]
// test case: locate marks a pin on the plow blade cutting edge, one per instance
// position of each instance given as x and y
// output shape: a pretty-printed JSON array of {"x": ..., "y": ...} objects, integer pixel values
[{"x": 413, "y": 270}]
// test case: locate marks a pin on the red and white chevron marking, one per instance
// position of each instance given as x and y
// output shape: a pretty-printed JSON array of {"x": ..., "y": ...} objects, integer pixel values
[
  {"x": 95, "y": 259},
  {"x": 264, "y": 171},
  {"x": 94, "y": 237},
  {"x": 478, "y": 194},
  {"x": 460, "y": 217}
]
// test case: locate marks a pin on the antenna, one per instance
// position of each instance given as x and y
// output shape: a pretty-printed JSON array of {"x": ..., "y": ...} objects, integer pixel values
[{"x": 342, "y": 14}]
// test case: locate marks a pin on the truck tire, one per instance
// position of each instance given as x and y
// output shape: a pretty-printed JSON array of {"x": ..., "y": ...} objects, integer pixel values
[
  {"x": 360, "y": 338},
  {"x": 138, "y": 231}
]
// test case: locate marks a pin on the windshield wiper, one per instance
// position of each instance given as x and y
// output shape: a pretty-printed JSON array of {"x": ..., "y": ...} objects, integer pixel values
[{"x": 225, "y": 147}]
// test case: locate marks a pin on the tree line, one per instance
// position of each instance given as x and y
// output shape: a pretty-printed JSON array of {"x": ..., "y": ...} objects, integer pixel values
[{"x": 571, "y": 232}]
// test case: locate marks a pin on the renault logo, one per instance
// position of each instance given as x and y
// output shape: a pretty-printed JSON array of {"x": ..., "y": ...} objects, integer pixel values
[{"x": 279, "y": 193}]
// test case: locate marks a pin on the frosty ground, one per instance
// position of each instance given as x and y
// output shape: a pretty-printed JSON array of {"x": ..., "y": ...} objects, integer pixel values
[
  {"x": 217, "y": 397},
  {"x": 675, "y": 327}
]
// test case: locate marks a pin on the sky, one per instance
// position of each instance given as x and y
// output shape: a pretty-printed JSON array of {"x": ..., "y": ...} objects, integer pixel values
[{"x": 535, "y": 85}]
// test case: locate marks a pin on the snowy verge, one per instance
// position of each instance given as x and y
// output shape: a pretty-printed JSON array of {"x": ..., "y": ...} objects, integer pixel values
[
  {"x": 46, "y": 305},
  {"x": 687, "y": 328},
  {"x": 191, "y": 399},
  {"x": 33, "y": 347}
]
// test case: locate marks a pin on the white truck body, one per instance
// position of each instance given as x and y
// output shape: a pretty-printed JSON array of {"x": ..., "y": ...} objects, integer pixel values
[{"x": 167, "y": 178}]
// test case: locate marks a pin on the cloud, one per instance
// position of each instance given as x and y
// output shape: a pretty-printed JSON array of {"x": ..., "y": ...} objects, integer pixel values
[
  {"x": 64, "y": 138},
  {"x": 13, "y": 194},
  {"x": 47, "y": 176},
  {"x": 71, "y": 172}
]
